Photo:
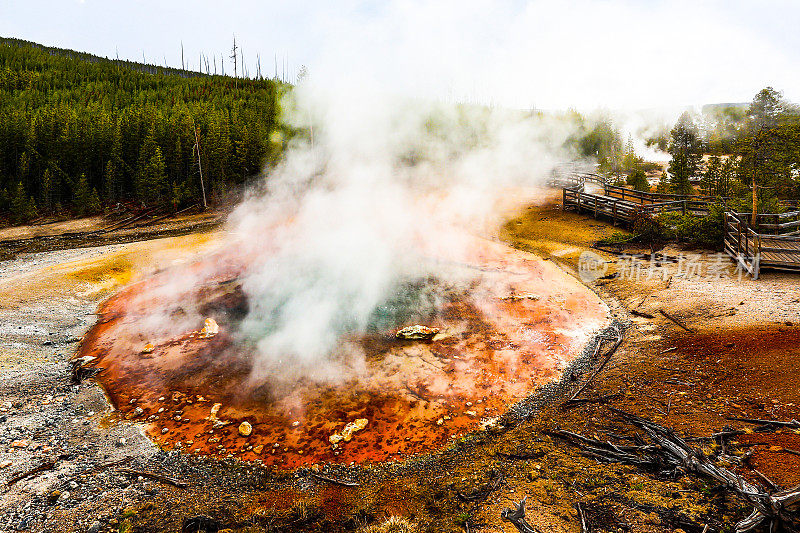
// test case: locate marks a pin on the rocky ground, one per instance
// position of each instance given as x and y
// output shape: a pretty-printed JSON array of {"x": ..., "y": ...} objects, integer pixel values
[{"x": 735, "y": 355}]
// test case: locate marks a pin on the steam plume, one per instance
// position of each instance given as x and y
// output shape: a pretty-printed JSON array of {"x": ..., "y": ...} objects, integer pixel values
[{"x": 341, "y": 222}]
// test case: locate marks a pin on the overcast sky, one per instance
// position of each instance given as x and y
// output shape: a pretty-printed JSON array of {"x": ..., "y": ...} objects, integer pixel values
[{"x": 549, "y": 54}]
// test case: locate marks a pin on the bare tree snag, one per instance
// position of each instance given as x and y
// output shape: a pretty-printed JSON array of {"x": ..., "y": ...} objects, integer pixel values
[{"x": 517, "y": 517}]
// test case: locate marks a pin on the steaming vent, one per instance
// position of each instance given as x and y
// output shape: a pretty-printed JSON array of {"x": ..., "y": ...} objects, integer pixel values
[{"x": 507, "y": 322}]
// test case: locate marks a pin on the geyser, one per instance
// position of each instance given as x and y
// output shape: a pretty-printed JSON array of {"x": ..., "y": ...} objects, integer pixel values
[{"x": 377, "y": 224}]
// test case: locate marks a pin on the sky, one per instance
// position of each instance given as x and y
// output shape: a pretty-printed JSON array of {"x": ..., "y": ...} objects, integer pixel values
[{"x": 546, "y": 54}]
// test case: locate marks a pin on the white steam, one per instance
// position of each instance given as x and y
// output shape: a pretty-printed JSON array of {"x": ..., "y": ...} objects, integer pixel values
[{"x": 341, "y": 222}]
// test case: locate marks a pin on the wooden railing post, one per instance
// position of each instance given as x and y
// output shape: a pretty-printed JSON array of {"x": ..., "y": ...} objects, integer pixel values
[
  {"x": 757, "y": 256},
  {"x": 738, "y": 237}
]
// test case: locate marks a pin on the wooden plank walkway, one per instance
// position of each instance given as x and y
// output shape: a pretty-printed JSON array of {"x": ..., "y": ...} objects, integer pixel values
[
  {"x": 776, "y": 244},
  {"x": 617, "y": 209},
  {"x": 754, "y": 251}
]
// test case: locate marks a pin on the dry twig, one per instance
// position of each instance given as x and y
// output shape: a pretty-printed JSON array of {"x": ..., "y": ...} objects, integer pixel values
[
  {"x": 675, "y": 320},
  {"x": 335, "y": 481}
]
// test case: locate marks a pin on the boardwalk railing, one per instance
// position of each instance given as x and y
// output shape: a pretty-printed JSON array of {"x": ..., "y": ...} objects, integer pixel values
[
  {"x": 618, "y": 209},
  {"x": 697, "y": 205},
  {"x": 773, "y": 243},
  {"x": 742, "y": 243},
  {"x": 778, "y": 223},
  {"x": 576, "y": 178},
  {"x": 776, "y": 244}
]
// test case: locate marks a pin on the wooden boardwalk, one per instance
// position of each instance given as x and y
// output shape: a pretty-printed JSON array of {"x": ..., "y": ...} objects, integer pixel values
[
  {"x": 775, "y": 243},
  {"x": 754, "y": 251},
  {"x": 618, "y": 208}
]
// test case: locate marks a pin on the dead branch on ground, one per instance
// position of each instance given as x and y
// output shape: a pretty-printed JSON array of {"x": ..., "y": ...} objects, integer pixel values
[
  {"x": 675, "y": 320},
  {"x": 605, "y": 359},
  {"x": 335, "y": 481},
  {"x": 47, "y": 465},
  {"x": 157, "y": 477},
  {"x": 670, "y": 452}
]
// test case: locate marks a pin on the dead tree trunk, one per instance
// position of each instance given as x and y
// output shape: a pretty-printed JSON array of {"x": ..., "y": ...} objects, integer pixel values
[{"x": 673, "y": 452}]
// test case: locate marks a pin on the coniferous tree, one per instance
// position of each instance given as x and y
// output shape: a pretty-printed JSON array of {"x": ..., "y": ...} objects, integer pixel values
[
  {"x": 685, "y": 147},
  {"x": 111, "y": 183},
  {"x": 62, "y": 117},
  {"x": 663, "y": 183},
  {"x": 86, "y": 200},
  {"x": 151, "y": 178},
  {"x": 712, "y": 176},
  {"x": 638, "y": 180},
  {"x": 46, "y": 191},
  {"x": 764, "y": 162},
  {"x": 22, "y": 207}
]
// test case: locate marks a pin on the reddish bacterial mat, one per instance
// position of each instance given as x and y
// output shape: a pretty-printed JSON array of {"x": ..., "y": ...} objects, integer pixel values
[{"x": 530, "y": 321}]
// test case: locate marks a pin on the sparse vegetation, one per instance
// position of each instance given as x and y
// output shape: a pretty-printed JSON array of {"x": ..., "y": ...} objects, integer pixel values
[{"x": 394, "y": 524}]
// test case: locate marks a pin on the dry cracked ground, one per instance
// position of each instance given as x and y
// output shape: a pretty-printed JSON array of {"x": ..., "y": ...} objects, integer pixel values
[{"x": 698, "y": 352}]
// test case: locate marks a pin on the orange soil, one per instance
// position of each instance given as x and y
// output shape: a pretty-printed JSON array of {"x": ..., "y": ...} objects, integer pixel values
[{"x": 493, "y": 351}]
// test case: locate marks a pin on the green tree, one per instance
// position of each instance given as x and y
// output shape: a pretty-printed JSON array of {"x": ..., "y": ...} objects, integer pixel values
[
  {"x": 712, "y": 176},
  {"x": 151, "y": 178},
  {"x": 22, "y": 207},
  {"x": 763, "y": 149},
  {"x": 46, "y": 191},
  {"x": 766, "y": 109},
  {"x": 112, "y": 181},
  {"x": 638, "y": 180},
  {"x": 86, "y": 200},
  {"x": 71, "y": 114},
  {"x": 663, "y": 183},
  {"x": 685, "y": 148},
  {"x": 630, "y": 161}
]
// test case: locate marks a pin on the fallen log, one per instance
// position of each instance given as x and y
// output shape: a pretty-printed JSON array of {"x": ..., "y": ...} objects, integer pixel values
[
  {"x": 582, "y": 516},
  {"x": 47, "y": 465},
  {"x": 766, "y": 422},
  {"x": 581, "y": 401},
  {"x": 334, "y": 481},
  {"x": 671, "y": 452}
]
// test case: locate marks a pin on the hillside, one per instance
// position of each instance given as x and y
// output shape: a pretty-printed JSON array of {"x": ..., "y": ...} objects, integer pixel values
[{"x": 78, "y": 132}]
